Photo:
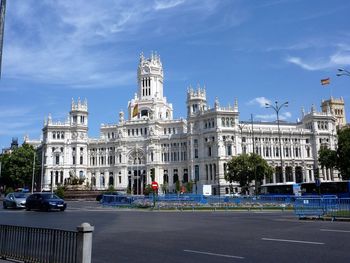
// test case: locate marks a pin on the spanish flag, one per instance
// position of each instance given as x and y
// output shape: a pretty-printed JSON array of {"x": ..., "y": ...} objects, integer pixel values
[
  {"x": 325, "y": 81},
  {"x": 135, "y": 111}
]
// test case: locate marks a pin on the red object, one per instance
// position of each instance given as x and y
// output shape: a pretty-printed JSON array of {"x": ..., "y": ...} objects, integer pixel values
[{"x": 154, "y": 185}]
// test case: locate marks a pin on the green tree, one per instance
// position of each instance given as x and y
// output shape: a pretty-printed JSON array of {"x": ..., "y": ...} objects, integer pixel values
[
  {"x": 60, "y": 191},
  {"x": 165, "y": 187},
  {"x": 327, "y": 158},
  {"x": 5, "y": 179},
  {"x": 148, "y": 190},
  {"x": 177, "y": 186},
  {"x": 343, "y": 152},
  {"x": 246, "y": 168},
  {"x": 17, "y": 167},
  {"x": 189, "y": 187}
]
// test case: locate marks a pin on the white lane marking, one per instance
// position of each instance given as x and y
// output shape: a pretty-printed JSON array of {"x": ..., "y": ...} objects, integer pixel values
[
  {"x": 293, "y": 241},
  {"x": 212, "y": 254},
  {"x": 335, "y": 230}
]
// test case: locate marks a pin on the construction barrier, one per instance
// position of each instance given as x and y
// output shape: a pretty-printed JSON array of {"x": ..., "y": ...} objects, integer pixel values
[
  {"x": 325, "y": 206},
  {"x": 305, "y": 206}
]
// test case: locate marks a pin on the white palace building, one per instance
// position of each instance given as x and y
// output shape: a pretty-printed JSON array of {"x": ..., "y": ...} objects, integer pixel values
[{"x": 149, "y": 141}]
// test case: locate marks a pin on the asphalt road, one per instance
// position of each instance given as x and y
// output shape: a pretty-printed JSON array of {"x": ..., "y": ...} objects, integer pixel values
[{"x": 142, "y": 236}]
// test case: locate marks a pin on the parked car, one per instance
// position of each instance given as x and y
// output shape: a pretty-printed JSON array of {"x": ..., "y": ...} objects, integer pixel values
[
  {"x": 45, "y": 201},
  {"x": 15, "y": 200},
  {"x": 100, "y": 196}
]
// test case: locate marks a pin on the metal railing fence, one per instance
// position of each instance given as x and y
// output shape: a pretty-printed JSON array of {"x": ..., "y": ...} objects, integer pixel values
[
  {"x": 343, "y": 209},
  {"x": 31, "y": 244}
]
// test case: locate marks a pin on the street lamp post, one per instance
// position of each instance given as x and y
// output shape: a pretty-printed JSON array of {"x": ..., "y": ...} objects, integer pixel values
[
  {"x": 277, "y": 109},
  {"x": 33, "y": 173},
  {"x": 343, "y": 72},
  {"x": 253, "y": 139}
]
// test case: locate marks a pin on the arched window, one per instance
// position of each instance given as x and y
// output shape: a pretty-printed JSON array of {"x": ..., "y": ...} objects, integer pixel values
[
  {"x": 144, "y": 113},
  {"x": 111, "y": 179}
]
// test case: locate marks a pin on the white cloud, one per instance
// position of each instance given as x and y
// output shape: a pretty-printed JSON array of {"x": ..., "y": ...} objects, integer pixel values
[
  {"x": 160, "y": 5},
  {"x": 261, "y": 101},
  {"x": 273, "y": 117},
  {"x": 265, "y": 116},
  {"x": 340, "y": 58},
  {"x": 308, "y": 66},
  {"x": 81, "y": 45}
]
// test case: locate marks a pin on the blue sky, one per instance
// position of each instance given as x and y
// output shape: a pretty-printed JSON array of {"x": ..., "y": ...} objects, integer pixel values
[{"x": 255, "y": 51}]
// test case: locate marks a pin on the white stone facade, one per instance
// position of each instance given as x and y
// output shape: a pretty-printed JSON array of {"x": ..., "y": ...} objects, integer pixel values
[{"x": 196, "y": 149}]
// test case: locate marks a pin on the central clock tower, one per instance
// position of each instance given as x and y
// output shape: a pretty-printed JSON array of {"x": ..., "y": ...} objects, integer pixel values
[
  {"x": 150, "y": 77},
  {"x": 149, "y": 102}
]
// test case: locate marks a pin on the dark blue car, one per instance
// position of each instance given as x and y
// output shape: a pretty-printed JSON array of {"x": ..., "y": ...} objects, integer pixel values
[{"x": 45, "y": 202}]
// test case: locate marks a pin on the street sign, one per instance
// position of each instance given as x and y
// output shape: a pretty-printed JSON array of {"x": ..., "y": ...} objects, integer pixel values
[{"x": 154, "y": 185}]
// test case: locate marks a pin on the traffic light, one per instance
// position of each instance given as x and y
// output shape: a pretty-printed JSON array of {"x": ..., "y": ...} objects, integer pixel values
[{"x": 153, "y": 176}]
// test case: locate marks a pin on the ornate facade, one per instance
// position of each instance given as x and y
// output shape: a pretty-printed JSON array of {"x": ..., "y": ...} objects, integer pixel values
[{"x": 150, "y": 142}]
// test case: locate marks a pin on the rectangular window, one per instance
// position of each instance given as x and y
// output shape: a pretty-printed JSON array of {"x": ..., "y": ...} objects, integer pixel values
[
  {"x": 308, "y": 152},
  {"x": 176, "y": 176},
  {"x": 196, "y": 153},
  {"x": 229, "y": 150},
  {"x": 196, "y": 173},
  {"x": 206, "y": 172}
]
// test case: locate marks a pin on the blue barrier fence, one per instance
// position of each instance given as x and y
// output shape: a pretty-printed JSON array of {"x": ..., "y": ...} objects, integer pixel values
[
  {"x": 311, "y": 206},
  {"x": 322, "y": 207},
  {"x": 175, "y": 200}
]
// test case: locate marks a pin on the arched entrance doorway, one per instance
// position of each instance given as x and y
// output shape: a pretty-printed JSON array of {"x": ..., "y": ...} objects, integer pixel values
[{"x": 137, "y": 171}]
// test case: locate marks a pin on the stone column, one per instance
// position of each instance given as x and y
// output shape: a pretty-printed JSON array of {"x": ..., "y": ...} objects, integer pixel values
[
  {"x": 274, "y": 179},
  {"x": 84, "y": 243},
  {"x": 293, "y": 172}
]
